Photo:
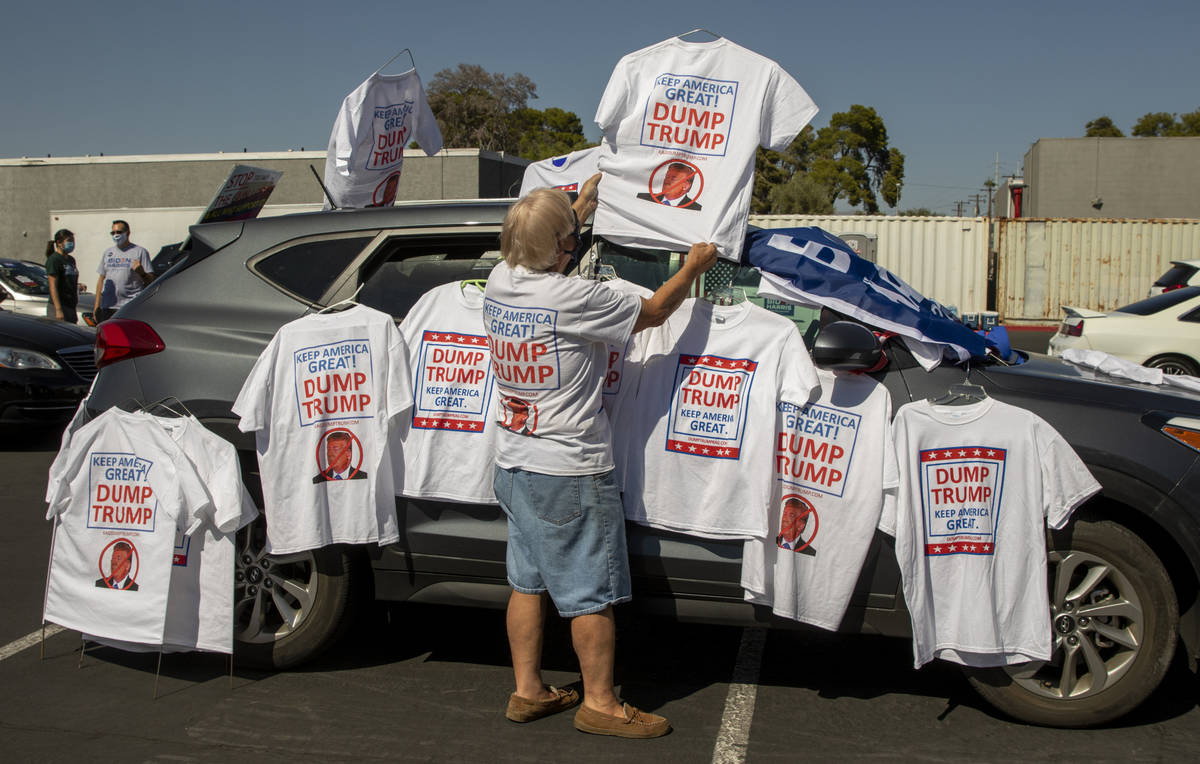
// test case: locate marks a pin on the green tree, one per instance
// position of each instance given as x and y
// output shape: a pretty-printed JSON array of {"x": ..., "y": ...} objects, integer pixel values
[
  {"x": 474, "y": 107},
  {"x": 1103, "y": 127},
  {"x": 547, "y": 133},
  {"x": 478, "y": 109},
  {"x": 852, "y": 158},
  {"x": 919, "y": 212},
  {"x": 1155, "y": 123},
  {"x": 800, "y": 194},
  {"x": 775, "y": 168},
  {"x": 1163, "y": 125}
]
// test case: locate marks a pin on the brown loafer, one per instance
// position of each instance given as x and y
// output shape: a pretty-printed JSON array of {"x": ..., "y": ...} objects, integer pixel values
[
  {"x": 525, "y": 710},
  {"x": 632, "y": 723}
]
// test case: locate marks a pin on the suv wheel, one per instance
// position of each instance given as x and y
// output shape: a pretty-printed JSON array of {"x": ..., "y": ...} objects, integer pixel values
[
  {"x": 287, "y": 608},
  {"x": 1114, "y": 617}
]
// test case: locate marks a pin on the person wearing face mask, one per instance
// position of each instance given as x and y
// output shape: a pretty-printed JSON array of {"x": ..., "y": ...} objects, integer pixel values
[
  {"x": 124, "y": 271},
  {"x": 63, "y": 275}
]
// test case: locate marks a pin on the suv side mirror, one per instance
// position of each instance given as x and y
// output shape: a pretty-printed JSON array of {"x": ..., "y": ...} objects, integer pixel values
[{"x": 846, "y": 346}]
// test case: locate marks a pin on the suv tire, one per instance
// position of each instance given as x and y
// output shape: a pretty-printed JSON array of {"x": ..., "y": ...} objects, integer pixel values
[
  {"x": 1114, "y": 616},
  {"x": 289, "y": 608}
]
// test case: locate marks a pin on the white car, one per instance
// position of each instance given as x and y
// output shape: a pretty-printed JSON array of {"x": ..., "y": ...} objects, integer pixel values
[
  {"x": 1181, "y": 273},
  {"x": 1161, "y": 332},
  {"x": 27, "y": 287}
]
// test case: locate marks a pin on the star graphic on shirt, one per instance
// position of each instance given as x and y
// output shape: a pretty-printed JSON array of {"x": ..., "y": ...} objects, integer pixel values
[
  {"x": 718, "y": 362},
  {"x": 434, "y": 337},
  {"x": 987, "y": 547},
  {"x": 973, "y": 547},
  {"x": 991, "y": 452},
  {"x": 692, "y": 449},
  {"x": 976, "y": 452},
  {"x": 937, "y": 550},
  {"x": 962, "y": 453},
  {"x": 952, "y": 549},
  {"x": 947, "y": 454},
  {"x": 460, "y": 425},
  {"x": 477, "y": 340},
  {"x": 704, "y": 451}
]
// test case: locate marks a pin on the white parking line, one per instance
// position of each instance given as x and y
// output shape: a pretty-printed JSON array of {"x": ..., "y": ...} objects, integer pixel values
[
  {"x": 29, "y": 640},
  {"x": 734, "y": 736}
]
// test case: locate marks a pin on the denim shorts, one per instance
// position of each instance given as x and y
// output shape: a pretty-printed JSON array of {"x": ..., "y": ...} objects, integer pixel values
[{"x": 566, "y": 536}]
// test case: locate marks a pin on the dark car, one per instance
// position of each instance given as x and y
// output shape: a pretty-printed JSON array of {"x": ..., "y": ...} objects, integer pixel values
[
  {"x": 1116, "y": 609},
  {"x": 46, "y": 367}
]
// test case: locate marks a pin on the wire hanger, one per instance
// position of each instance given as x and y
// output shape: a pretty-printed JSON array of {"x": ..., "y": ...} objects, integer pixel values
[
  {"x": 412, "y": 61},
  {"x": 348, "y": 301},
  {"x": 962, "y": 393},
  {"x": 699, "y": 29},
  {"x": 149, "y": 408}
]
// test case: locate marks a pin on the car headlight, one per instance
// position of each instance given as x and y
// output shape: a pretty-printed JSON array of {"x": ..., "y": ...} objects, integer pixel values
[{"x": 19, "y": 358}]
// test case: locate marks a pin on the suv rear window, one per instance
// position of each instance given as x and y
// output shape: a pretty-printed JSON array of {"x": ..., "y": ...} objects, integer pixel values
[{"x": 308, "y": 268}]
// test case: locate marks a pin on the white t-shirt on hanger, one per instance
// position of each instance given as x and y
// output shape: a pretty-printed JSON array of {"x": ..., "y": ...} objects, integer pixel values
[
  {"x": 319, "y": 401},
  {"x": 448, "y": 441},
  {"x": 681, "y": 122},
  {"x": 200, "y": 600},
  {"x": 120, "y": 491},
  {"x": 625, "y": 363},
  {"x": 979, "y": 483},
  {"x": 549, "y": 336},
  {"x": 700, "y": 458},
  {"x": 834, "y": 464},
  {"x": 566, "y": 173},
  {"x": 375, "y": 123}
]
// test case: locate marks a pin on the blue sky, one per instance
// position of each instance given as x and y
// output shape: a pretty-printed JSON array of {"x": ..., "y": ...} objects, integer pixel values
[{"x": 957, "y": 83}]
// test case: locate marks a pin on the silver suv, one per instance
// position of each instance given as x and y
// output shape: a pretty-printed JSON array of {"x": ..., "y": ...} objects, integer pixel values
[{"x": 1123, "y": 576}]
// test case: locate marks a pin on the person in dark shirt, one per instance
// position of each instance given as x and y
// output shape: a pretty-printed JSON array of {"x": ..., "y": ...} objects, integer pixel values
[{"x": 64, "y": 277}]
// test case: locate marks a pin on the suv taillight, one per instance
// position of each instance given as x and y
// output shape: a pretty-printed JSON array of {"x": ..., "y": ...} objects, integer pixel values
[{"x": 118, "y": 339}]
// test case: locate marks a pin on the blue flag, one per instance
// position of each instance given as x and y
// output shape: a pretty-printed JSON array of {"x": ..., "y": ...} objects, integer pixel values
[{"x": 816, "y": 267}]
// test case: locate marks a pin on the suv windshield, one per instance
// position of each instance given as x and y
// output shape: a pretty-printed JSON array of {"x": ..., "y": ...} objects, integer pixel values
[
  {"x": 24, "y": 278},
  {"x": 1152, "y": 305}
]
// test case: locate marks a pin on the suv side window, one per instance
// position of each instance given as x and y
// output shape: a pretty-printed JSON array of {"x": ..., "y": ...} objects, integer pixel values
[
  {"x": 651, "y": 268},
  {"x": 306, "y": 269},
  {"x": 409, "y": 266}
]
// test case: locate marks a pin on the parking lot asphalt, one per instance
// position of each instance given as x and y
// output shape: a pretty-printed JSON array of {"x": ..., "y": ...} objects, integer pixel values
[{"x": 425, "y": 683}]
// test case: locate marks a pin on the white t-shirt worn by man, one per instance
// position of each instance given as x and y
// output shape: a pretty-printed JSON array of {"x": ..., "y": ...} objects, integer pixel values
[
  {"x": 122, "y": 283},
  {"x": 448, "y": 441},
  {"x": 374, "y": 125},
  {"x": 834, "y": 465},
  {"x": 549, "y": 337},
  {"x": 702, "y": 426},
  {"x": 682, "y": 121},
  {"x": 319, "y": 401},
  {"x": 978, "y": 485},
  {"x": 120, "y": 491}
]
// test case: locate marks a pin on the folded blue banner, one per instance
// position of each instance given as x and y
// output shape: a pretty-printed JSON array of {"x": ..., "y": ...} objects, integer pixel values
[{"x": 817, "y": 267}]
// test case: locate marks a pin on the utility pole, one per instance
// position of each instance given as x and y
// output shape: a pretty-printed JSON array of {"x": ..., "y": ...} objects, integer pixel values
[{"x": 977, "y": 198}]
